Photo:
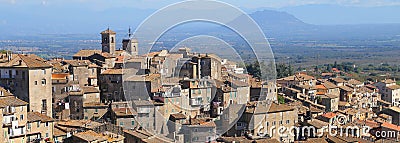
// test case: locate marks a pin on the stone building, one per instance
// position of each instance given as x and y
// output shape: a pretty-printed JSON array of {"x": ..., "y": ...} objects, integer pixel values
[
  {"x": 123, "y": 115},
  {"x": 95, "y": 111},
  {"x": 14, "y": 117},
  {"x": 20, "y": 125},
  {"x": 262, "y": 121},
  {"x": 108, "y": 41},
  {"x": 79, "y": 96},
  {"x": 390, "y": 91},
  {"x": 330, "y": 101},
  {"x": 29, "y": 78},
  {"x": 39, "y": 126},
  {"x": 201, "y": 93},
  {"x": 199, "y": 130},
  {"x": 94, "y": 137},
  {"x": 111, "y": 85},
  {"x": 130, "y": 44}
]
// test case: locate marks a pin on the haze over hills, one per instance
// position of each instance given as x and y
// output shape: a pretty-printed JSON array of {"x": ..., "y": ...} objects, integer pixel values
[{"x": 275, "y": 23}]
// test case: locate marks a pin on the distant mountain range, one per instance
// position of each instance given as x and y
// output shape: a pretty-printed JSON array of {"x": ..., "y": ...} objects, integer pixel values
[
  {"x": 17, "y": 23},
  {"x": 284, "y": 25}
]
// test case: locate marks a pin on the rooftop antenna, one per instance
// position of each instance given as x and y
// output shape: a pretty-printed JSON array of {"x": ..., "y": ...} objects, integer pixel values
[{"x": 129, "y": 32}]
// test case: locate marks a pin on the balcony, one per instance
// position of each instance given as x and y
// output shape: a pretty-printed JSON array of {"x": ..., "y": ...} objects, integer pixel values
[
  {"x": 196, "y": 101},
  {"x": 143, "y": 110},
  {"x": 7, "y": 120},
  {"x": 9, "y": 110},
  {"x": 16, "y": 131}
]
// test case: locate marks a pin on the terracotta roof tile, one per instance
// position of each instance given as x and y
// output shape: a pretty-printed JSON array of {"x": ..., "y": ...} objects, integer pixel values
[
  {"x": 59, "y": 76},
  {"x": 90, "y": 136},
  {"x": 4, "y": 92},
  {"x": 36, "y": 116},
  {"x": 87, "y": 53},
  {"x": 338, "y": 80},
  {"x": 354, "y": 82},
  {"x": 107, "y": 31},
  {"x": 26, "y": 61},
  {"x": 394, "y": 87},
  {"x": 112, "y": 71},
  {"x": 390, "y": 126},
  {"x": 11, "y": 101},
  {"x": 329, "y": 115},
  {"x": 90, "y": 89},
  {"x": 178, "y": 116}
]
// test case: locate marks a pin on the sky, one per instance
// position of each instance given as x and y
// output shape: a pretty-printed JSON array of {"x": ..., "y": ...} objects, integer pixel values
[
  {"x": 53, "y": 16},
  {"x": 154, "y": 4}
]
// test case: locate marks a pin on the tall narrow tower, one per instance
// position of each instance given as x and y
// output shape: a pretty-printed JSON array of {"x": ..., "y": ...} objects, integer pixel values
[
  {"x": 133, "y": 46},
  {"x": 108, "y": 41},
  {"x": 130, "y": 45}
]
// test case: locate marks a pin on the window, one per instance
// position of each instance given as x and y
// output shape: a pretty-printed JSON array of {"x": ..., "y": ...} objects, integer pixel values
[
  {"x": 29, "y": 125},
  {"x": 96, "y": 110},
  {"x": 21, "y": 117},
  {"x": 44, "y": 104},
  {"x": 280, "y": 122},
  {"x": 85, "y": 110},
  {"x": 47, "y": 135},
  {"x": 121, "y": 123},
  {"x": 47, "y": 124},
  {"x": 43, "y": 81},
  {"x": 86, "y": 118},
  {"x": 133, "y": 122},
  {"x": 35, "y": 82},
  {"x": 194, "y": 130},
  {"x": 287, "y": 121},
  {"x": 38, "y": 124},
  {"x": 44, "y": 71},
  {"x": 267, "y": 124},
  {"x": 273, "y": 123}
]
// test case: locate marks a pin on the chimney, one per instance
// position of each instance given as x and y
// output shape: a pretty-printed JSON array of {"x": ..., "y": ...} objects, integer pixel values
[{"x": 9, "y": 56}]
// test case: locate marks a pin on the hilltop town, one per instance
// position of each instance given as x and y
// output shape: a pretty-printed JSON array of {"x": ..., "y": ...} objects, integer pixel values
[{"x": 115, "y": 95}]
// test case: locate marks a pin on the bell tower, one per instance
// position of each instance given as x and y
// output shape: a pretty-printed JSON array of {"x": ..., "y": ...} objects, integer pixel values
[
  {"x": 131, "y": 44},
  {"x": 108, "y": 41}
]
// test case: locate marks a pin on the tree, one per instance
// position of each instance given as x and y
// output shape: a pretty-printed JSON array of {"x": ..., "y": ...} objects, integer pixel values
[
  {"x": 254, "y": 69},
  {"x": 283, "y": 70},
  {"x": 281, "y": 99},
  {"x": 329, "y": 67}
]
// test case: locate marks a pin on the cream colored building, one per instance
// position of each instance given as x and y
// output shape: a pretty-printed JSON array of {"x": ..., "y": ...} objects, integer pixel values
[
  {"x": 29, "y": 78},
  {"x": 19, "y": 125},
  {"x": 264, "y": 119}
]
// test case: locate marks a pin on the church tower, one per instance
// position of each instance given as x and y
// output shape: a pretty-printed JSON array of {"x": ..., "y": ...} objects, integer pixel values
[
  {"x": 131, "y": 44},
  {"x": 108, "y": 41}
]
